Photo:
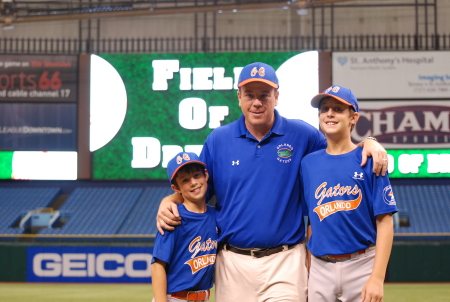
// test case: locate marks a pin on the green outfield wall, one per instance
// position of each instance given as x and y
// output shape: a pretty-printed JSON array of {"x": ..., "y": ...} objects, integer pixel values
[
  {"x": 421, "y": 261},
  {"x": 13, "y": 262}
]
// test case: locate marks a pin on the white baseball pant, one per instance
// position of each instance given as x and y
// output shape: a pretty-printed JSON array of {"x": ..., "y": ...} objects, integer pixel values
[{"x": 340, "y": 281}]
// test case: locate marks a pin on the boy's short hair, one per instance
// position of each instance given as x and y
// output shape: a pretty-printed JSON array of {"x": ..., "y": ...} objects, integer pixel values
[{"x": 185, "y": 160}]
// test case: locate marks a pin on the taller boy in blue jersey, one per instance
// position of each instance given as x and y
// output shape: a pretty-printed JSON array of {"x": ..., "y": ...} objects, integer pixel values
[
  {"x": 350, "y": 209},
  {"x": 254, "y": 166},
  {"x": 183, "y": 260}
]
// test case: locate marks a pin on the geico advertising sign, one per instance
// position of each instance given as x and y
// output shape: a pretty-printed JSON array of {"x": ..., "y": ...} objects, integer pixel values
[
  {"x": 89, "y": 264},
  {"x": 405, "y": 124}
]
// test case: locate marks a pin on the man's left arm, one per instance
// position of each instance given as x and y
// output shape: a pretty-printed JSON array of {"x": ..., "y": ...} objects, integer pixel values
[{"x": 371, "y": 148}]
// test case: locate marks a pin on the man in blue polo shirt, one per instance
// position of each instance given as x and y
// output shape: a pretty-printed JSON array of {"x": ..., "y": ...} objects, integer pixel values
[{"x": 254, "y": 166}]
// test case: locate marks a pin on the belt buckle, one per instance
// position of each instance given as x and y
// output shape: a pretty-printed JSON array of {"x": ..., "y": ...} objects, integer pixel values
[
  {"x": 252, "y": 254},
  {"x": 187, "y": 296},
  {"x": 331, "y": 259}
]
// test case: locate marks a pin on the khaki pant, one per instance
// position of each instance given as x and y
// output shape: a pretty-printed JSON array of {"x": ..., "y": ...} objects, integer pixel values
[
  {"x": 340, "y": 281},
  {"x": 281, "y": 277}
]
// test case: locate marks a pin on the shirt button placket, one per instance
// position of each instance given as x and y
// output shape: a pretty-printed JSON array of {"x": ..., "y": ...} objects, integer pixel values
[{"x": 258, "y": 151}]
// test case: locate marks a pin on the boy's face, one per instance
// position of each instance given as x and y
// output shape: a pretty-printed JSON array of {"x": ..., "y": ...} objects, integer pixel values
[
  {"x": 336, "y": 117},
  {"x": 192, "y": 185}
]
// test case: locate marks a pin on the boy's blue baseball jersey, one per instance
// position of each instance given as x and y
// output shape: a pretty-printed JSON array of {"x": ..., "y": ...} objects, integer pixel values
[
  {"x": 343, "y": 200},
  {"x": 189, "y": 251}
]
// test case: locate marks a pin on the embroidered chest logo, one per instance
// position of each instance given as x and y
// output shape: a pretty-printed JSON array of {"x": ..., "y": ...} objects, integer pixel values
[
  {"x": 329, "y": 208},
  {"x": 235, "y": 163},
  {"x": 196, "y": 246},
  {"x": 388, "y": 196},
  {"x": 284, "y": 153}
]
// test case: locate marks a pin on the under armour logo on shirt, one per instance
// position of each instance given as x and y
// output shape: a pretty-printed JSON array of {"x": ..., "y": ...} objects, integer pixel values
[
  {"x": 358, "y": 176},
  {"x": 235, "y": 163}
]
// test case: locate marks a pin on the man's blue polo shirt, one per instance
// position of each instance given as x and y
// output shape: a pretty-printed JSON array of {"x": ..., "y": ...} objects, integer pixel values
[{"x": 257, "y": 184}]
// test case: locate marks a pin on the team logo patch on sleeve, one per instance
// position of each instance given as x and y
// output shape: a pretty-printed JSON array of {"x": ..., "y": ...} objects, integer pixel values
[{"x": 388, "y": 196}]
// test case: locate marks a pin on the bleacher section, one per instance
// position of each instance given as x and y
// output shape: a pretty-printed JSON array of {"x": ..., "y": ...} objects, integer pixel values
[
  {"x": 129, "y": 213},
  {"x": 96, "y": 211},
  {"x": 427, "y": 206},
  {"x": 141, "y": 219},
  {"x": 16, "y": 202}
]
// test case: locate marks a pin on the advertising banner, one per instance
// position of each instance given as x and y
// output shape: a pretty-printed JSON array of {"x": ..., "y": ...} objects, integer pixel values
[
  {"x": 419, "y": 163},
  {"x": 405, "y": 124},
  {"x": 38, "y": 127},
  {"x": 89, "y": 264},
  {"x": 145, "y": 108},
  {"x": 393, "y": 75},
  {"x": 34, "y": 78}
]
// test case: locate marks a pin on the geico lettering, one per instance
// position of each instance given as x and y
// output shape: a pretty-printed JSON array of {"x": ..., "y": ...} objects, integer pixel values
[
  {"x": 111, "y": 273},
  {"x": 52, "y": 268},
  {"x": 74, "y": 265},
  {"x": 90, "y": 265}
]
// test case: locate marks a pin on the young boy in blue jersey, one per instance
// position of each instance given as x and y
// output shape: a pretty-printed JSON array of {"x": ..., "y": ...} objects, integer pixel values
[
  {"x": 350, "y": 209},
  {"x": 183, "y": 260}
]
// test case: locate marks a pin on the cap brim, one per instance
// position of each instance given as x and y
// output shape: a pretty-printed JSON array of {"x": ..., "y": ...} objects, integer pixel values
[
  {"x": 187, "y": 163},
  {"x": 315, "y": 101},
  {"x": 270, "y": 83}
]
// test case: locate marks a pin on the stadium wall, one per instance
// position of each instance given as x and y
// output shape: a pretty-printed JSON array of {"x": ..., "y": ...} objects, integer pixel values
[
  {"x": 417, "y": 261},
  {"x": 13, "y": 263}
]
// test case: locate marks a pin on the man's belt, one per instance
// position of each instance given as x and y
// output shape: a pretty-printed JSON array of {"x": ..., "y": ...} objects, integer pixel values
[
  {"x": 191, "y": 296},
  {"x": 258, "y": 253}
]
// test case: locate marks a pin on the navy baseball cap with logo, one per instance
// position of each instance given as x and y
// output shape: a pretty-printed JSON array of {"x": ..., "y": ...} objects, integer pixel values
[
  {"x": 258, "y": 72},
  {"x": 180, "y": 160},
  {"x": 339, "y": 93}
]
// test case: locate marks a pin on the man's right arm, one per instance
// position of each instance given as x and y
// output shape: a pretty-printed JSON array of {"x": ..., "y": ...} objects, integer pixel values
[{"x": 168, "y": 215}]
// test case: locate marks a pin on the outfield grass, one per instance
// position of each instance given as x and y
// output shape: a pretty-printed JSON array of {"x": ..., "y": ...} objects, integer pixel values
[
  {"x": 44, "y": 292},
  {"x": 417, "y": 292}
]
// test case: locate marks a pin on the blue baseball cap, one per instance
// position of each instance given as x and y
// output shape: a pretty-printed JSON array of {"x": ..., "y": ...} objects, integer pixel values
[
  {"x": 181, "y": 159},
  {"x": 258, "y": 72},
  {"x": 339, "y": 93}
]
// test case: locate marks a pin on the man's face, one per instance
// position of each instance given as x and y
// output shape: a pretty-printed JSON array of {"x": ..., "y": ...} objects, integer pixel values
[{"x": 257, "y": 101}]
